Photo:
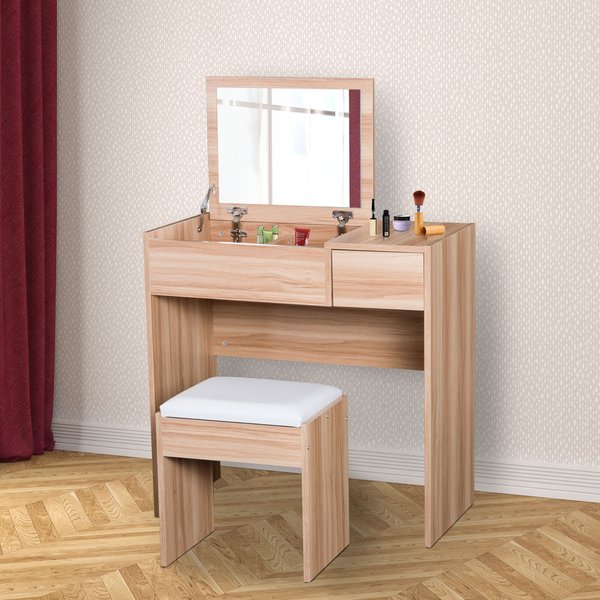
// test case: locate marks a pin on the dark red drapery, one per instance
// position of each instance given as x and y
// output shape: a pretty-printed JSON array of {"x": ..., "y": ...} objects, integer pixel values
[{"x": 27, "y": 225}]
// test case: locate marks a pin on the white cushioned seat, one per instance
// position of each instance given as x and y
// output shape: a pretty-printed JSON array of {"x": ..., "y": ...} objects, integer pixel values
[{"x": 248, "y": 400}]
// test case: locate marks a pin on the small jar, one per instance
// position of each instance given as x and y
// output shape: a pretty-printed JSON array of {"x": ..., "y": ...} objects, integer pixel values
[{"x": 401, "y": 222}]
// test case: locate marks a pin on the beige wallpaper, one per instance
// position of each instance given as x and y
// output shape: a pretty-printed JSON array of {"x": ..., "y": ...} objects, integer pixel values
[{"x": 491, "y": 107}]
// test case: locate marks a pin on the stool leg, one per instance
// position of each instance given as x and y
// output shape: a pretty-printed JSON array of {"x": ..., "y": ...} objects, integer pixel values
[
  {"x": 185, "y": 492},
  {"x": 325, "y": 510}
]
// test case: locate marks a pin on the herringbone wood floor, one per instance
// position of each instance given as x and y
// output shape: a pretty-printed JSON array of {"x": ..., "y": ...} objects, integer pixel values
[{"x": 80, "y": 526}]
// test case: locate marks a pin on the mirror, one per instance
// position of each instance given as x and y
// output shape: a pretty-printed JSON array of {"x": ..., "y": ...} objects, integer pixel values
[
  {"x": 289, "y": 146},
  {"x": 283, "y": 142}
]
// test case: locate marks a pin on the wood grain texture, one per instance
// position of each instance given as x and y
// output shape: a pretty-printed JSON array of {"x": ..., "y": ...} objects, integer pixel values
[
  {"x": 179, "y": 351},
  {"x": 256, "y": 549},
  {"x": 289, "y": 214},
  {"x": 319, "y": 447},
  {"x": 325, "y": 507},
  {"x": 449, "y": 368},
  {"x": 23, "y": 527},
  {"x": 399, "y": 241},
  {"x": 346, "y": 336},
  {"x": 590, "y": 592},
  {"x": 186, "y": 334},
  {"x": 364, "y": 279},
  {"x": 184, "y": 230},
  {"x": 244, "y": 272},
  {"x": 234, "y": 442},
  {"x": 178, "y": 333},
  {"x": 185, "y": 490},
  {"x": 319, "y": 234}
]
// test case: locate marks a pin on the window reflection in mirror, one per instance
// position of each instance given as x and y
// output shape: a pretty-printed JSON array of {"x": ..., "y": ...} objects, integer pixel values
[{"x": 289, "y": 146}]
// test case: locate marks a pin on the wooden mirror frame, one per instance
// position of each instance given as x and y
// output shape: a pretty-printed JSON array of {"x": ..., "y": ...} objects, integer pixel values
[{"x": 290, "y": 213}]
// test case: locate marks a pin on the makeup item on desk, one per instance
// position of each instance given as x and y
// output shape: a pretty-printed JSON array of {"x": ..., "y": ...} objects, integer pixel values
[
  {"x": 419, "y": 198},
  {"x": 401, "y": 222},
  {"x": 275, "y": 230},
  {"x": 267, "y": 236},
  {"x": 301, "y": 235},
  {"x": 373, "y": 219},
  {"x": 386, "y": 223},
  {"x": 434, "y": 229},
  {"x": 260, "y": 239}
]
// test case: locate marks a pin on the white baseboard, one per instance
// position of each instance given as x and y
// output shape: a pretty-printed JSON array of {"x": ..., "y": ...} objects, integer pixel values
[
  {"x": 102, "y": 439},
  {"x": 569, "y": 483}
]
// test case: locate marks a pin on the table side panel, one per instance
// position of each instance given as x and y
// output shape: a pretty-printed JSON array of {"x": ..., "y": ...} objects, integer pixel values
[
  {"x": 180, "y": 346},
  {"x": 449, "y": 368}
]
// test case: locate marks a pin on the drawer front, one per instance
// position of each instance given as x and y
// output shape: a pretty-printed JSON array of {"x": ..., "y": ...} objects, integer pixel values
[
  {"x": 366, "y": 279},
  {"x": 244, "y": 272}
]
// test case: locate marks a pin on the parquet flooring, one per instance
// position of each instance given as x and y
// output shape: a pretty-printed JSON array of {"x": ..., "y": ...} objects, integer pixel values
[{"x": 80, "y": 526}]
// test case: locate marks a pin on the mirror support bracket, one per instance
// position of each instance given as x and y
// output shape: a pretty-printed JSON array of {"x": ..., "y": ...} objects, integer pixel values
[
  {"x": 342, "y": 216},
  {"x": 204, "y": 207}
]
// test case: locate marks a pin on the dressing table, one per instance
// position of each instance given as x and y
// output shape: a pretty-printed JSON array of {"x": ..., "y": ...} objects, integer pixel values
[{"x": 404, "y": 302}]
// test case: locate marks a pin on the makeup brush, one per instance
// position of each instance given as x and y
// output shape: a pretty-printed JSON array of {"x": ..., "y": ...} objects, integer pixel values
[{"x": 419, "y": 198}]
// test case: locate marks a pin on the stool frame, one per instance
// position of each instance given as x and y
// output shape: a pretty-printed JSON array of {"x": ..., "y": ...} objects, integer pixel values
[{"x": 186, "y": 449}]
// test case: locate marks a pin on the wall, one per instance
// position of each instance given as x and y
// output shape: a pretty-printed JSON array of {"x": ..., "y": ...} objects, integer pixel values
[{"x": 491, "y": 107}]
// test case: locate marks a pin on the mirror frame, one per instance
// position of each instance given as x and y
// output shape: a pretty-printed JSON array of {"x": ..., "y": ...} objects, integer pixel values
[{"x": 292, "y": 213}]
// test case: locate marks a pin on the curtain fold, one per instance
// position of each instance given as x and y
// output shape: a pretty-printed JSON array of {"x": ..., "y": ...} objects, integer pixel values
[{"x": 27, "y": 225}]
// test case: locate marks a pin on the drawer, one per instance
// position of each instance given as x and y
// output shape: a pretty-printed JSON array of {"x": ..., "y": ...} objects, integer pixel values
[
  {"x": 245, "y": 272},
  {"x": 366, "y": 279}
]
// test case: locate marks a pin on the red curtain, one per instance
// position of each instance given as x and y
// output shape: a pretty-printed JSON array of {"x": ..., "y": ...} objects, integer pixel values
[{"x": 27, "y": 225}]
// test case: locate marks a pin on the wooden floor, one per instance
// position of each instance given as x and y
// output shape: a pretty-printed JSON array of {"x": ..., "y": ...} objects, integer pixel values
[{"x": 77, "y": 526}]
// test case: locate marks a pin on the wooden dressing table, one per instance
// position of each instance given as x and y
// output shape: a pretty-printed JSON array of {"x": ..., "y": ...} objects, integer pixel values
[{"x": 403, "y": 302}]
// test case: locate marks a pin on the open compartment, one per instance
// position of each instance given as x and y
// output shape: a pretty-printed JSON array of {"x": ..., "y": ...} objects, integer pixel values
[{"x": 181, "y": 261}]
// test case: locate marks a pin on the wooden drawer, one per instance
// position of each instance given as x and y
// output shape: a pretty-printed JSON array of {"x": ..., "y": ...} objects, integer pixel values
[
  {"x": 366, "y": 279},
  {"x": 246, "y": 272}
]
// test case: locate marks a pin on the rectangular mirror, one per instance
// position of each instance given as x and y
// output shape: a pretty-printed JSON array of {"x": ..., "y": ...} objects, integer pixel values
[{"x": 288, "y": 142}]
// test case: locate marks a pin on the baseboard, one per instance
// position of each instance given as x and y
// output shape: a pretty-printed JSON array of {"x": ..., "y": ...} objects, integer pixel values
[
  {"x": 102, "y": 439},
  {"x": 569, "y": 483}
]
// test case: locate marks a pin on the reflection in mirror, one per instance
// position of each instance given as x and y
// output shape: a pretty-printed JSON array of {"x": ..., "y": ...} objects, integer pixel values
[{"x": 289, "y": 146}]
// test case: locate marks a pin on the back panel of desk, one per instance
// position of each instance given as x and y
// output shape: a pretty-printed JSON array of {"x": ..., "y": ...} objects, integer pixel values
[{"x": 344, "y": 336}]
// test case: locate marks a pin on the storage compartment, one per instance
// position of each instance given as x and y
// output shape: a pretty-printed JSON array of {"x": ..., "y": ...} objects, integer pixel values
[
  {"x": 246, "y": 272},
  {"x": 366, "y": 279}
]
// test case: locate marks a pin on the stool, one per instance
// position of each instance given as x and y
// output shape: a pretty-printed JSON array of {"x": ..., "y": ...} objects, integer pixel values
[{"x": 256, "y": 421}]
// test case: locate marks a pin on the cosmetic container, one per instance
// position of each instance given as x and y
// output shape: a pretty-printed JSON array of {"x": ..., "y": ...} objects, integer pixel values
[
  {"x": 434, "y": 229},
  {"x": 401, "y": 222},
  {"x": 373, "y": 219},
  {"x": 301, "y": 235},
  {"x": 372, "y": 226},
  {"x": 386, "y": 223}
]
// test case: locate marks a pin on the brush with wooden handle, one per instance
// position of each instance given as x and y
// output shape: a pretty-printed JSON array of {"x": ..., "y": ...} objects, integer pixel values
[{"x": 419, "y": 198}]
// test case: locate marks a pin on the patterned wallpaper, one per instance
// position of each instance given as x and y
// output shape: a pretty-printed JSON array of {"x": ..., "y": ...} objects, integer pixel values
[{"x": 491, "y": 107}]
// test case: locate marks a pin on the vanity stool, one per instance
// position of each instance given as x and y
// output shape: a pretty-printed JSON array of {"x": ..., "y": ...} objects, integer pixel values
[{"x": 255, "y": 421}]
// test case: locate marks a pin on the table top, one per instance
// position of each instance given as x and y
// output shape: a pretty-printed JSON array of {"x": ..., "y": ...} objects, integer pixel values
[{"x": 405, "y": 241}]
